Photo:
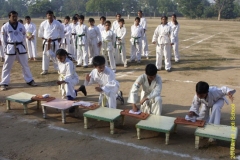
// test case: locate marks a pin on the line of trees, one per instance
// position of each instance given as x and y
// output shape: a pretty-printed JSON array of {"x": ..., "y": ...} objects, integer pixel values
[{"x": 188, "y": 8}]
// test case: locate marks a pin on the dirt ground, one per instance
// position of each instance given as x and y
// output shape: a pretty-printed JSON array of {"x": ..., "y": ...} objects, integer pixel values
[{"x": 210, "y": 51}]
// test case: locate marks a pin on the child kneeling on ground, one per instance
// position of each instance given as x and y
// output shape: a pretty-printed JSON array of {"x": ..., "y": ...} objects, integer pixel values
[{"x": 108, "y": 85}]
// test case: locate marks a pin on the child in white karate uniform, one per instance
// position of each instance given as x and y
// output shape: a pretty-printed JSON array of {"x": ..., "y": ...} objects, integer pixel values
[
  {"x": 137, "y": 33},
  {"x": 151, "y": 101},
  {"x": 108, "y": 39},
  {"x": 66, "y": 41},
  {"x": 164, "y": 38},
  {"x": 73, "y": 26},
  {"x": 81, "y": 43},
  {"x": 120, "y": 32},
  {"x": 211, "y": 101},
  {"x": 94, "y": 40},
  {"x": 101, "y": 28},
  {"x": 68, "y": 77},
  {"x": 1, "y": 46},
  {"x": 108, "y": 86},
  {"x": 175, "y": 29}
]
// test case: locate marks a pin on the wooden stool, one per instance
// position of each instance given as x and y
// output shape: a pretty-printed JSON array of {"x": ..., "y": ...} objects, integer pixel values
[
  {"x": 60, "y": 104},
  {"x": 220, "y": 132},
  {"x": 104, "y": 114},
  {"x": 23, "y": 98},
  {"x": 156, "y": 123}
]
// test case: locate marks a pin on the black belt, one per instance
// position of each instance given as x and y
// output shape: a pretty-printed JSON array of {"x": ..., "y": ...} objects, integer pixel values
[
  {"x": 17, "y": 43},
  {"x": 53, "y": 40}
]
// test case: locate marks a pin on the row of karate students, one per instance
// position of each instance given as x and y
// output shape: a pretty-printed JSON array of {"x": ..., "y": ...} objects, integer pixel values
[
  {"x": 111, "y": 42},
  {"x": 207, "y": 99},
  {"x": 206, "y": 105}
]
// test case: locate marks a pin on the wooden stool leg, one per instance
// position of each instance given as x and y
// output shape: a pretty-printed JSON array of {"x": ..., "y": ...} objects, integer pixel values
[
  {"x": 111, "y": 127},
  {"x": 25, "y": 108},
  {"x": 85, "y": 122},
  {"x": 167, "y": 138},
  {"x": 175, "y": 128},
  {"x": 44, "y": 112},
  {"x": 197, "y": 140},
  {"x": 123, "y": 119},
  {"x": 38, "y": 104},
  {"x": 76, "y": 113},
  {"x": 63, "y": 116},
  {"x": 8, "y": 105},
  {"x": 138, "y": 133}
]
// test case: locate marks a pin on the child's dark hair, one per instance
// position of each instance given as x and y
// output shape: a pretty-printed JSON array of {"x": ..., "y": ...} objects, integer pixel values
[
  {"x": 49, "y": 12},
  {"x": 151, "y": 70},
  {"x": 27, "y": 17},
  {"x": 67, "y": 17},
  {"x": 140, "y": 11},
  {"x": 108, "y": 22},
  {"x": 63, "y": 52},
  {"x": 81, "y": 17},
  {"x": 121, "y": 20},
  {"x": 164, "y": 17},
  {"x": 98, "y": 61},
  {"x": 202, "y": 87},
  {"x": 137, "y": 18},
  {"x": 118, "y": 14},
  {"x": 74, "y": 18},
  {"x": 103, "y": 17},
  {"x": 20, "y": 20},
  {"x": 59, "y": 21},
  {"x": 12, "y": 12},
  {"x": 91, "y": 20},
  {"x": 175, "y": 16}
]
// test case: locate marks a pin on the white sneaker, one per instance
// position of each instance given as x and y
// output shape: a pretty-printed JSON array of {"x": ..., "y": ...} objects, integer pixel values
[
  {"x": 125, "y": 65},
  {"x": 44, "y": 72},
  {"x": 147, "y": 57}
]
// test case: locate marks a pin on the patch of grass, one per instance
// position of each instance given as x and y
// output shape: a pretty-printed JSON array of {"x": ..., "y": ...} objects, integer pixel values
[{"x": 233, "y": 50}]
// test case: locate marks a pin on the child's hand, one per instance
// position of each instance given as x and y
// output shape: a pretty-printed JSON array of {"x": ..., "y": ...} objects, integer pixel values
[
  {"x": 143, "y": 100},
  {"x": 49, "y": 40},
  {"x": 60, "y": 82},
  {"x": 88, "y": 77},
  {"x": 154, "y": 42},
  {"x": 230, "y": 95},
  {"x": 134, "y": 108},
  {"x": 98, "y": 89},
  {"x": 99, "y": 44},
  {"x": 191, "y": 113}
]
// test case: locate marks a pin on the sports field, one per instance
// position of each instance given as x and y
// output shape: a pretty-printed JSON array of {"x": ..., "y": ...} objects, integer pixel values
[{"x": 210, "y": 51}]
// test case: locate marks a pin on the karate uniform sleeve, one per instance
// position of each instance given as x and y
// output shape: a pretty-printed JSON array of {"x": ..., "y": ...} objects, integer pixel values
[
  {"x": 34, "y": 30},
  {"x": 61, "y": 30},
  {"x": 4, "y": 37},
  {"x": 133, "y": 95},
  {"x": 70, "y": 71},
  {"x": 196, "y": 103},
  {"x": 111, "y": 84},
  {"x": 69, "y": 31},
  {"x": 144, "y": 24},
  {"x": 124, "y": 33},
  {"x": 225, "y": 90},
  {"x": 155, "y": 35},
  {"x": 172, "y": 36},
  {"x": 86, "y": 83},
  {"x": 113, "y": 39},
  {"x": 157, "y": 90},
  {"x": 41, "y": 31},
  {"x": 176, "y": 31},
  {"x": 99, "y": 35}
]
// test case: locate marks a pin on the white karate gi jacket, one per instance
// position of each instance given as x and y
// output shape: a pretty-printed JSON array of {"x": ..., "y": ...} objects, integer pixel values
[
  {"x": 175, "y": 30},
  {"x": 115, "y": 25},
  {"x": 121, "y": 32},
  {"x": 31, "y": 29},
  {"x": 163, "y": 35},
  {"x": 67, "y": 34},
  {"x": 81, "y": 34},
  {"x": 137, "y": 33},
  {"x": 108, "y": 39}
]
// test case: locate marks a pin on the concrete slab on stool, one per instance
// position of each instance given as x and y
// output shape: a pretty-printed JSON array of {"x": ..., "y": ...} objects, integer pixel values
[
  {"x": 60, "y": 104},
  {"x": 104, "y": 114},
  {"x": 220, "y": 132},
  {"x": 23, "y": 98},
  {"x": 157, "y": 123}
]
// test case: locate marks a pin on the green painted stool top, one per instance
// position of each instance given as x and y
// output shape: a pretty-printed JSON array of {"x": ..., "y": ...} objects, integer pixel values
[
  {"x": 104, "y": 114},
  {"x": 157, "y": 123},
  {"x": 21, "y": 97},
  {"x": 221, "y": 132}
]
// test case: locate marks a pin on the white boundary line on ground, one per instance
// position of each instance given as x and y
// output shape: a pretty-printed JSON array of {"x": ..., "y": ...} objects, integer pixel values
[
  {"x": 107, "y": 139},
  {"x": 192, "y": 37},
  {"x": 200, "y": 41}
]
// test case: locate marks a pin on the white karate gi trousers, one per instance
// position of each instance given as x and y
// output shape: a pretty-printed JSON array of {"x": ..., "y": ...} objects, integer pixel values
[
  {"x": 46, "y": 58},
  {"x": 1, "y": 51},
  {"x": 67, "y": 89},
  {"x": 31, "y": 48},
  {"x": 215, "y": 116},
  {"x": 176, "y": 51},
  {"x": 109, "y": 52},
  {"x": 7, "y": 66},
  {"x": 163, "y": 49},
  {"x": 82, "y": 55},
  {"x": 108, "y": 96},
  {"x": 153, "y": 106},
  {"x": 136, "y": 51},
  {"x": 144, "y": 46},
  {"x": 120, "y": 56},
  {"x": 93, "y": 49},
  {"x": 73, "y": 47}
]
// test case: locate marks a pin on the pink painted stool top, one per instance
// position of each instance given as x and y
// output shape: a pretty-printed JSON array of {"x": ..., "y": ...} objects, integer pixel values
[{"x": 60, "y": 104}]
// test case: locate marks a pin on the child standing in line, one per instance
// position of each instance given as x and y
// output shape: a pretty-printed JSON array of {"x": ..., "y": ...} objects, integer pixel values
[
  {"x": 94, "y": 40},
  {"x": 1, "y": 45},
  {"x": 120, "y": 56},
  {"x": 101, "y": 28},
  {"x": 68, "y": 77},
  {"x": 73, "y": 26},
  {"x": 81, "y": 43},
  {"x": 108, "y": 85},
  {"x": 66, "y": 41},
  {"x": 137, "y": 33},
  {"x": 108, "y": 38}
]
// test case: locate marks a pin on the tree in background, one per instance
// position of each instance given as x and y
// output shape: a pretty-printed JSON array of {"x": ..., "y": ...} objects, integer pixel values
[
  {"x": 166, "y": 6},
  {"x": 103, "y": 6},
  {"x": 39, "y": 8},
  {"x": 220, "y": 5},
  {"x": 228, "y": 10},
  {"x": 71, "y": 7}
]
